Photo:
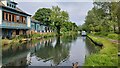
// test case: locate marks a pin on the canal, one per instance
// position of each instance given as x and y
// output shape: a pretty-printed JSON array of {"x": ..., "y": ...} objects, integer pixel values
[{"x": 55, "y": 51}]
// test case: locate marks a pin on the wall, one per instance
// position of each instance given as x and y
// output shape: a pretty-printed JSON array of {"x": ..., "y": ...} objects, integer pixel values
[
  {"x": 28, "y": 21},
  {"x": 0, "y": 16},
  {"x": 32, "y": 26}
]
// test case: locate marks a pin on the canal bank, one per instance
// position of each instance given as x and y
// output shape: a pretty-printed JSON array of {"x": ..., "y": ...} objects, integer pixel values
[
  {"x": 107, "y": 56},
  {"x": 25, "y": 38}
]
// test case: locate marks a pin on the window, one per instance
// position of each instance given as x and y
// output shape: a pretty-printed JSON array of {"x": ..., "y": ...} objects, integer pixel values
[
  {"x": 10, "y": 5},
  {"x": 24, "y": 20},
  {"x": 14, "y": 6},
  {"x": 6, "y": 16},
  {"x": 17, "y": 18},
  {"x": 7, "y": 4},
  {"x": 33, "y": 26},
  {"x": 17, "y": 32},
  {"x": 3, "y": 15},
  {"x": 21, "y": 19},
  {"x": 10, "y": 17}
]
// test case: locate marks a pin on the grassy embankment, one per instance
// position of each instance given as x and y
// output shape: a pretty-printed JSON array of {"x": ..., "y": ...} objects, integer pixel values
[
  {"x": 113, "y": 37},
  {"x": 107, "y": 56},
  {"x": 33, "y": 37},
  {"x": 109, "y": 35}
]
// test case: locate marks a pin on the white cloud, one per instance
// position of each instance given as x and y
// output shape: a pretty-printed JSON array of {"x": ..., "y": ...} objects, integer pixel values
[{"x": 76, "y": 10}]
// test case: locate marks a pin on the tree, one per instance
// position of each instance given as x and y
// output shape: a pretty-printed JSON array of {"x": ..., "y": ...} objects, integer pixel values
[
  {"x": 103, "y": 17},
  {"x": 69, "y": 26},
  {"x": 43, "y": 15},
  {"x": 58, "y": 17},
  {"x": 117, "y": 12}
]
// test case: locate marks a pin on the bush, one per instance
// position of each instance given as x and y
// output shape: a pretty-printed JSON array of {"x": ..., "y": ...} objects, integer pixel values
[
  {"x": 113, "y": 36},
  {"x": 35, "y": 35},
  {"x": 97, "y": 33},
  {"x": 118, "y": 36},
  {"x": 102, "y": 33}
]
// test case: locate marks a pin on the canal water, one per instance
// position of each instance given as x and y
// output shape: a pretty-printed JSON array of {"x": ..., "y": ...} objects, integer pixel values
[{"x": 56, "y": 51}]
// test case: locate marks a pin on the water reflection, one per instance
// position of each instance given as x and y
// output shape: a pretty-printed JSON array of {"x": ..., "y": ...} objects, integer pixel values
[
  {"x": 53, "y": 53},
  {"x": 91, "y": 47},
  {"x": 57, "y": 51}
]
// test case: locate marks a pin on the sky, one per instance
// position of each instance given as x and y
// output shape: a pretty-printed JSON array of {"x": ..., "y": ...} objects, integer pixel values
[{"x": 77, "y": 10}]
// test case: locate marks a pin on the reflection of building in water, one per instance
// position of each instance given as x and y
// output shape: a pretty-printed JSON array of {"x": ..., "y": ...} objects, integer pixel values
[
  {"x": 17, "y": 62},
  {"x": 54, "y": 43},
  {"x": 29, "y": 58},
  {"x": 15, "y": 56},
  {"x": 45, "y": 50},
  {"x": 21, "y": 55}
]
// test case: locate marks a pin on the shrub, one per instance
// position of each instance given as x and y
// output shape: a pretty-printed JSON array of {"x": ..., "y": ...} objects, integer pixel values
[
  {"x": 35, "y": 35},
  {"x": 113, "y": 36},
  {"x": 118, "y": 36},
  {"x": 97, "y": 33}
]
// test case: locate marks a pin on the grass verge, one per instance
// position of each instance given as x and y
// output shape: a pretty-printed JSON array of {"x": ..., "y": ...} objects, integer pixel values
[{"x": 107, "y": 56}]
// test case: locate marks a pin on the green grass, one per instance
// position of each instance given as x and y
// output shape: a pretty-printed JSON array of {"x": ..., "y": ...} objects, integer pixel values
[
  {"x": 109, "y": 35},
  {"x": 107, "y": 56},
  {"x": 113, "y": 36},
  {"x": 119, "y": 62}
]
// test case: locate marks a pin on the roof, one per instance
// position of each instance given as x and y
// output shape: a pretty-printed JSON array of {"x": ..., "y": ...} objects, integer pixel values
[
  {"x": 14, "y": 2},
  {"x": 35, "y": 21},
  {"x": 1, "y": 4},
  {"x": 16, "y": 9}
]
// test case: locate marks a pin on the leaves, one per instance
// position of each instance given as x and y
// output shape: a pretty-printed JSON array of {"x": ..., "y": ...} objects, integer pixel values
[
  {"x": 55, "y": 18},
  {"x": 104, "y": 16},
  {"x": 43, "y": 15}
]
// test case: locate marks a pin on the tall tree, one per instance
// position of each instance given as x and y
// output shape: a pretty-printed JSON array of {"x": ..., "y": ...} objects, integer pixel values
[
  {"x": 104, "y": 16},
  {"x": 118, "y": 15},
  {"x": 58, "y": 17}
]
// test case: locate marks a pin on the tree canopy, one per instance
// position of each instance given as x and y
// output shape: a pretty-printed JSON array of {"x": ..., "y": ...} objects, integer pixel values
[
  {"x": 56, "y": 18},
  {"x": 104, "y": 17},
  {"x": 43, "y": 15}
]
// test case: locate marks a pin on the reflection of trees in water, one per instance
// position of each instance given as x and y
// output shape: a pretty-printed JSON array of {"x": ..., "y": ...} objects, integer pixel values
[
  {"x": 44, "y": 49},
  {"x": 68, "y": 39},
  {"x": 57, "y": 54},
  {"x": 60, "y": 52}
]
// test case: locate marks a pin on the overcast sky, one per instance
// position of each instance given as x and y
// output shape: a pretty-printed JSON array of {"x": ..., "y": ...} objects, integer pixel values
[{"x": 77, "y": 10}]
